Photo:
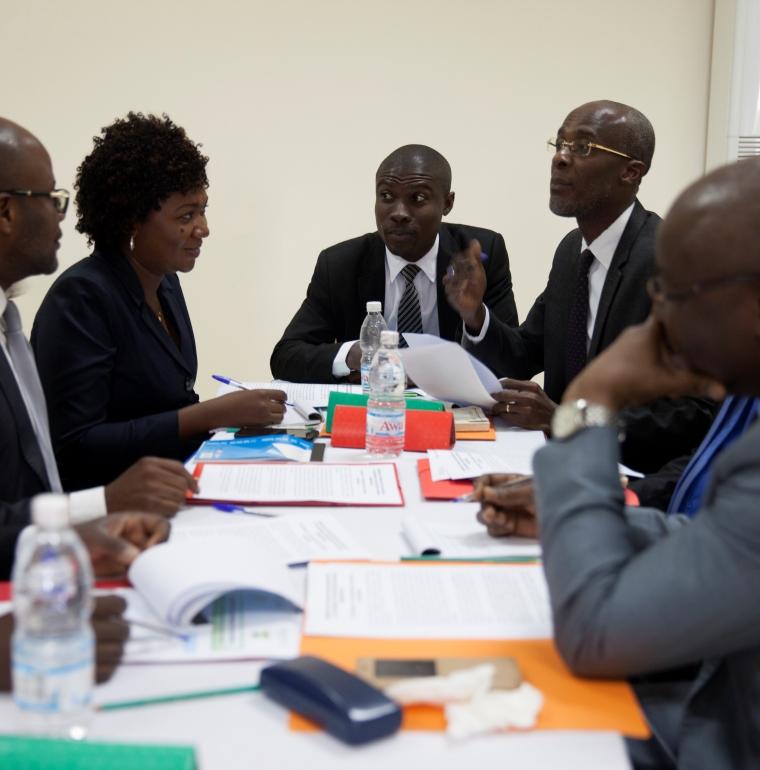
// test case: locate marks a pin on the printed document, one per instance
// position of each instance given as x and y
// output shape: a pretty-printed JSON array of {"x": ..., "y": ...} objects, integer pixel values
[
  {"x": 338, "y": 484},
  {"x": 514, "y": 455},
  {"x": 427, "y": 601}
]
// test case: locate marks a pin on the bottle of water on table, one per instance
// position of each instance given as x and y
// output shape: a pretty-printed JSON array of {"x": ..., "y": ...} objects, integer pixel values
[
  {"x": 53, "y": 645},
  {"x": 369, "y": 339},
  {"x": 386, "y": 408}
]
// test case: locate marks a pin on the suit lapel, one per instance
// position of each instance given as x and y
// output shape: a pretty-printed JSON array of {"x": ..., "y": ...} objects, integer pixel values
[
  {"x": 185, "y": 355},
  {"x": 449, "y": 324},
  {"x": 371, "y": 281},
  {"x": 615, "y": 274},
  {"x": 128, "y": 278},
  {"x": 27, "y": 438}
]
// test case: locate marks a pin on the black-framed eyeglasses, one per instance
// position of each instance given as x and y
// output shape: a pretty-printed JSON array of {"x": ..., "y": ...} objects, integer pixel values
[
  {"x": 657, "y": 292},
  {"x": 581, "y": 148},
  {"x": 60, "y": 198}
]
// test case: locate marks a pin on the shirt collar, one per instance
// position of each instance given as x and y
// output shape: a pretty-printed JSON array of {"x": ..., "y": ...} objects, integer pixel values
[
  {"x": 604, "y": 245},
  {"x": 3, "y": 305},
  {"x": 427, "y": 264}
]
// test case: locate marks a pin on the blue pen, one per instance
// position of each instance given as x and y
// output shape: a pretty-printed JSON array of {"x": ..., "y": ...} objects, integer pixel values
[
  {"x": 231, "y": 508},
  {"x": 229, "y": 381},
  {"x": 450, "y": 268}
]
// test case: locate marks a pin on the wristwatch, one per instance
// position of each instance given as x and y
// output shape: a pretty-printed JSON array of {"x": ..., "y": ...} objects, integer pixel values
[{"x": 578, "y": 415}]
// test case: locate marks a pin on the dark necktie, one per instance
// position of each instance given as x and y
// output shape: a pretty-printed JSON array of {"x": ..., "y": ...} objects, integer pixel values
[
  {"x": 577, "y": 321},
  {"x": 25, "y": 369},
  {"x": 409, "y": 314}
]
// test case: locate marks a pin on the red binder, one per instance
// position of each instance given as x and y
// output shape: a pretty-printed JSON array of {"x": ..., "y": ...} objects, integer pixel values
[{"x": 425, "y": 429}]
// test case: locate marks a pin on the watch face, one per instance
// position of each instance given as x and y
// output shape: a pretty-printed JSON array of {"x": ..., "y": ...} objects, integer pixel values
[{"x": 566, "y": 420}]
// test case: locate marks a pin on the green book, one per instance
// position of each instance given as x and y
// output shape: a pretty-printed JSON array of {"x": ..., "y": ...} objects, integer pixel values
[
  {"x": 25, "y": 753},
  {"x": 360, "y": 399}
]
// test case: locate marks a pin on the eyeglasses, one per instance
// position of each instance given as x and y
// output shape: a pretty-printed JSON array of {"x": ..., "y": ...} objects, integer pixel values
[
  {"x": 581, "y": 148},
  {"x": 60, "y": 198},
  {"x": 657, "y": 292}
]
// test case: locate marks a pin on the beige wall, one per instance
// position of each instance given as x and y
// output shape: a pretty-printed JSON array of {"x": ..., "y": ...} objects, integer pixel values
[{"x": 297, "y": 102}]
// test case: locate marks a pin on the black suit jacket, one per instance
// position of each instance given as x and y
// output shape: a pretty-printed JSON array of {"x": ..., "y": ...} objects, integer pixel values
[
  {"x": 23, "y": 469},
  {"x": 350, "y": 274},
  {"x": 656, "y": 433},
  {"x": 113, "y": 377}
]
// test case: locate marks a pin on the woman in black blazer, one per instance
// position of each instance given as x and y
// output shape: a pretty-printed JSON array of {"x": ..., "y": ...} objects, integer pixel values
[{"x": 113, "y": 338}]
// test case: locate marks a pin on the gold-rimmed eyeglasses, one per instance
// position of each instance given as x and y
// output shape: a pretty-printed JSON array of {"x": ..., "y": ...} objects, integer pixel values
[
  {"x": 60, "y": 198},
  {"x": 581, "y": 148}
]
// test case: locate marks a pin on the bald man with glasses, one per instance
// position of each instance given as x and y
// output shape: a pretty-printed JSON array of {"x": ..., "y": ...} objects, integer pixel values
[{"x": 596, "y": 287}]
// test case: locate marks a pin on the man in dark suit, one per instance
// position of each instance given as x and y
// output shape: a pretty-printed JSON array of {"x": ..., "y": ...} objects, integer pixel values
[
  {"x": 30, "y": 215},
  {"x": 596, "y": 287},
  {"x": 402, "y": 264}
]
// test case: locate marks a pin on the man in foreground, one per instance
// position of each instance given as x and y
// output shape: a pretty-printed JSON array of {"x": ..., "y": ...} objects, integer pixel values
[
  {"x": 636, "y": 593},
  {"x": 402, "y": 265}
]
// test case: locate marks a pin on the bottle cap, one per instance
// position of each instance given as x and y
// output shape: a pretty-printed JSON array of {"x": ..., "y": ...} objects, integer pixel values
[
  {"x": 389, "y": 338},
  {"x": 50, "y": 511},
  {"x": 374, "y": 306}
]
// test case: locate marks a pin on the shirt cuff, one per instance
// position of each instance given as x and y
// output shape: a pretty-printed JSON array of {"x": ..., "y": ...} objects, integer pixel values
[
  {"x": 87, "y": 504},
  {"x": 474, "y": 340},
  {"x": 339, "y": 367}
]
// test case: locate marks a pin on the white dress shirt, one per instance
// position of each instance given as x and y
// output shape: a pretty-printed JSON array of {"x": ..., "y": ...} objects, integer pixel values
[
  {"x": 86, "y": 504},
  {"x": 395, "y": 284},
  {"x": 603, "y": 248}
]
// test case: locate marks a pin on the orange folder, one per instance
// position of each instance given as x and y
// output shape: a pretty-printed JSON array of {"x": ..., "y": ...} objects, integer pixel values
[
  {"x": 446, "y": 489},
  {"x": 570, "y": 702}
]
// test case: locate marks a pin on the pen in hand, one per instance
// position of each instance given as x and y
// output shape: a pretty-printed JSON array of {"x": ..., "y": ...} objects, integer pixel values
[
  {"x": 229, "y": 381},
  {"x": 450, "y": 269}
]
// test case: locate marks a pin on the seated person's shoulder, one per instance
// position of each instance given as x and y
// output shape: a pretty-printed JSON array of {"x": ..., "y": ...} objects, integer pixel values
[
  {"x": 342, "y": 253},
  {"x": 463, "y": 234}
]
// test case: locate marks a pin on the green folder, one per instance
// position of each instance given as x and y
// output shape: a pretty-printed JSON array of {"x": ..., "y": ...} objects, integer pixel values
[
  {"x": 25, "y": 753},
  {"x": 360, "y": 399}
]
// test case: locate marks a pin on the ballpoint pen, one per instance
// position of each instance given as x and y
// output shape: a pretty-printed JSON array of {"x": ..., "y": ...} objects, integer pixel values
[
  {"x": 229, "y": 381},
  {"x": 232, "y": 508},
  {"x": 450, "y": 268}
]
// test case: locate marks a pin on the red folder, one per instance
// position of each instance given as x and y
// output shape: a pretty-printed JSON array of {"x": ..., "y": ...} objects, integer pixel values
[
  {"x": 425, "y": 429},
  {"x": 446, "y": 489}
]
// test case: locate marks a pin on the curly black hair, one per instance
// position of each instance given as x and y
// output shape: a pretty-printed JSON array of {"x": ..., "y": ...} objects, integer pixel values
[{"x": 137, "y": 163}]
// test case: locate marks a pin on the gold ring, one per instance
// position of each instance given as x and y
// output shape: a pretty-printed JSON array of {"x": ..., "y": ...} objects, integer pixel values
[{"x": 508, "y": 405}]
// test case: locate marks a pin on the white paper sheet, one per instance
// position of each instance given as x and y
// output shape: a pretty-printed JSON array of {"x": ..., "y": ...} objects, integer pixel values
[
  {"x": 448, "y": 372},
  {"x": 291, "y": 539},
  {"x": 342, "y": 484},
  {"x": 412, "y": 601},
  {"x": 179, "y": 579},
  {"x": 313, "y": 394},
  {"x": 515, "y": 455},
  {"x": 240, "y": 627},
  {"x": 464, "y": 540}
]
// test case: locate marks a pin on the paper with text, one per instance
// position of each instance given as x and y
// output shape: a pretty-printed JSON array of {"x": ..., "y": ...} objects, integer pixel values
[
  {"x": 415, "y": 601},
  {"x": 291, "y": 539},
  {"x": 464, "y": 540},
  {"x": 339, "y": 484}
]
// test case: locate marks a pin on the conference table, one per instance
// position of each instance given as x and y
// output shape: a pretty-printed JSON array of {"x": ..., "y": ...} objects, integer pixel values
[{"x": 246, "y": 730}]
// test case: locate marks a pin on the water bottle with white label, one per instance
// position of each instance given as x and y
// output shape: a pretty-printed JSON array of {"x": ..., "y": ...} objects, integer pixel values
[
  {"x": 369, "y": 339},
  {"x": 53, "y": 645},
  {"x": 386, "y": 407}
]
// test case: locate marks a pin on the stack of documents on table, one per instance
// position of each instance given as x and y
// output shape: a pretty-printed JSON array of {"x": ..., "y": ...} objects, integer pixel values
[
  {"x": 514, "y": 455},
  {"x": 309, "y": 395},
  {"x": 297, "y": 484},
  {"x": 446, "y": 371},
  {"x": 235, "y": 574},
  {"x": 465, "y": 540}
]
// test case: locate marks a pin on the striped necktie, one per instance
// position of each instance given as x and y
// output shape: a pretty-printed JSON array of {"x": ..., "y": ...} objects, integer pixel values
[
  {"x": 25, "y": 369},
  {"x": 409, "y": 314}
]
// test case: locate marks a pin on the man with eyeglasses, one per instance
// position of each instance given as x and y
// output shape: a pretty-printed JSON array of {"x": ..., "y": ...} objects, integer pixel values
[
  {"x": 31, "y": 211},
  {"x": 596, "y": 287},
  {"x": 667, "y": 600}
]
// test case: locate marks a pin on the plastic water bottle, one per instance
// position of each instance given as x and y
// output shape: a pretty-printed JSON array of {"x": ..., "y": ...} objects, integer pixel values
[
  {"x": 386, "y": 408},
  {"x": 53, "y": 645},
  {"x": 369, "y": 339}
]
